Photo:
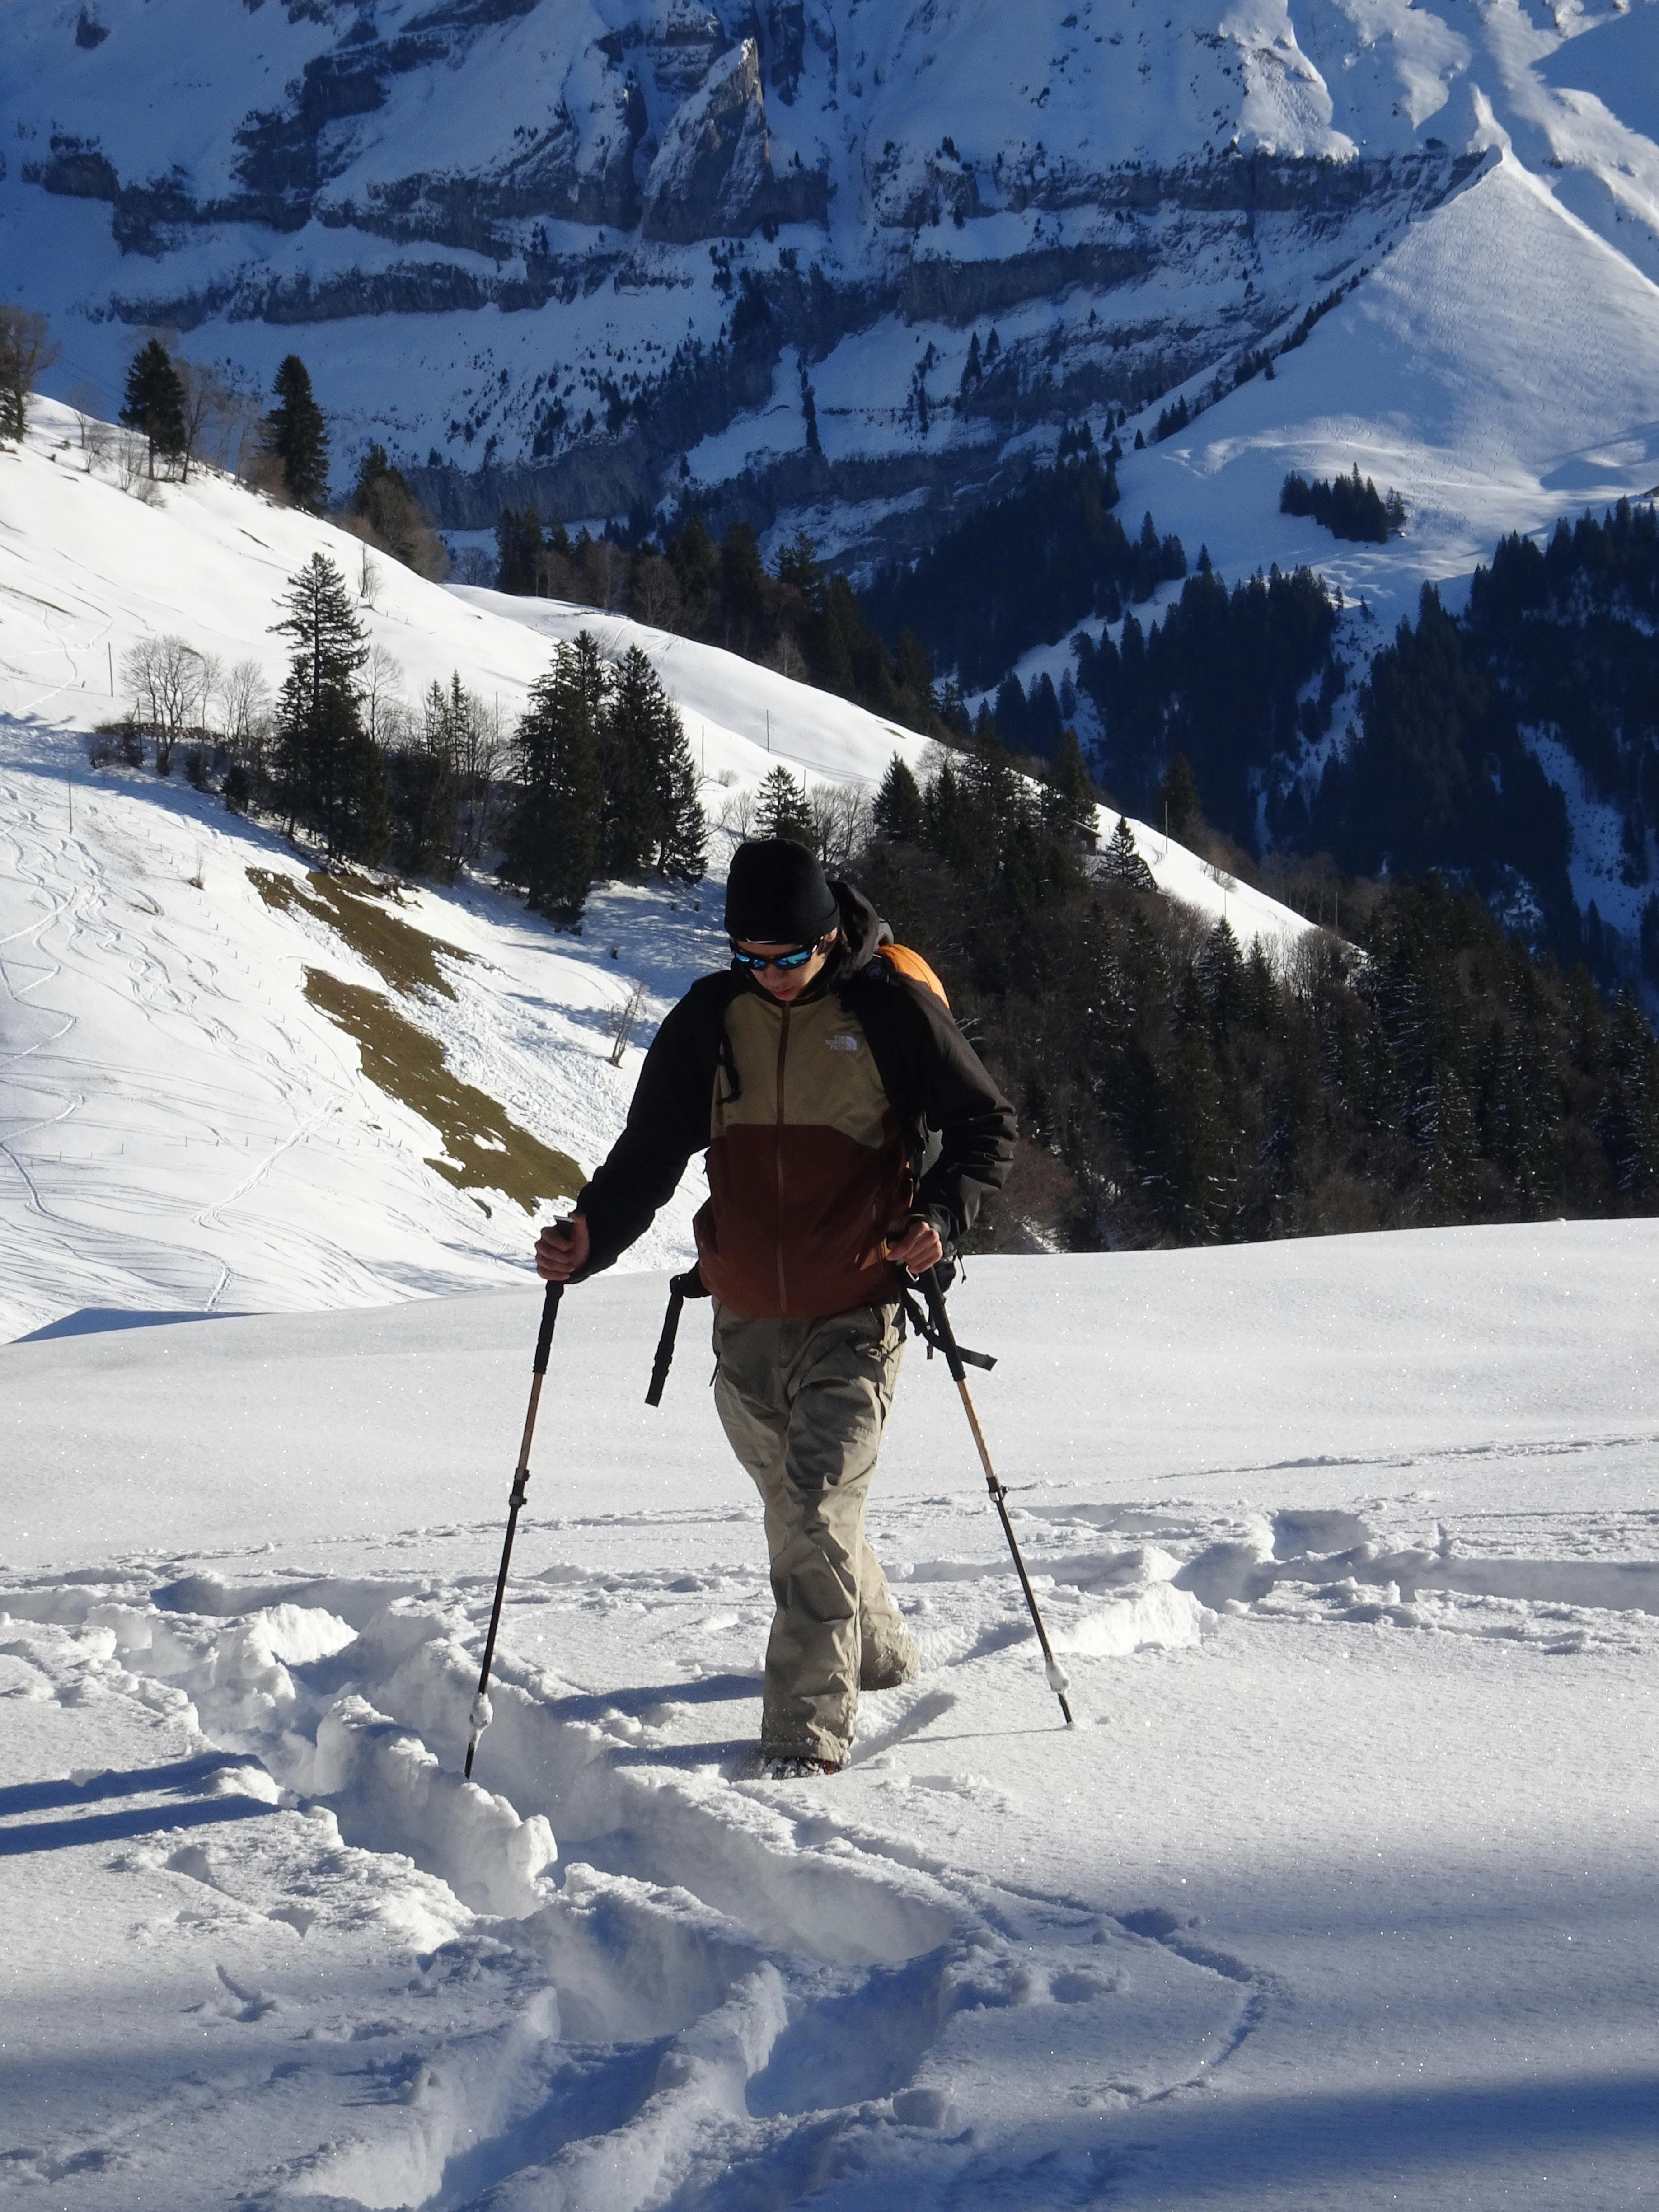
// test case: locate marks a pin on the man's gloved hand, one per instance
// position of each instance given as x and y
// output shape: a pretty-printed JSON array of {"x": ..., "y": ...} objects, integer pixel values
[
  {"x": 561, "y": 1247},
  {"x": 914, "y": 1244}
]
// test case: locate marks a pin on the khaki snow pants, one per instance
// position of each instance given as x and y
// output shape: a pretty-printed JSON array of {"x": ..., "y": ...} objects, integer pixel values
[{"x": 803, "y": 1402}]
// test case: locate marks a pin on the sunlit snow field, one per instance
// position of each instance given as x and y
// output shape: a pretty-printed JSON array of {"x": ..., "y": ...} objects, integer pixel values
[{"x": 1341, "y": 1892}]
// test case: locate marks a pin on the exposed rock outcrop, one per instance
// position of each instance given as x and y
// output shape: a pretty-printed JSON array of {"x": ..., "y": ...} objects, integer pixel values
[{"x": 713, "y": 174}]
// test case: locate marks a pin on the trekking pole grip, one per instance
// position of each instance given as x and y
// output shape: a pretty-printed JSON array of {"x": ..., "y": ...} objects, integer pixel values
[{"x": 551, "y": 1298}]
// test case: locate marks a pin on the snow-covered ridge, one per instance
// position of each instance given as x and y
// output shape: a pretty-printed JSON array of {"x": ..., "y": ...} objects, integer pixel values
[{"x": 180, "y": 1127}]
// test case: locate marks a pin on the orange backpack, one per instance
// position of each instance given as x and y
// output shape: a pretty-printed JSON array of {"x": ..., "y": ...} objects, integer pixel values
[{"x": 904, "y": 962}]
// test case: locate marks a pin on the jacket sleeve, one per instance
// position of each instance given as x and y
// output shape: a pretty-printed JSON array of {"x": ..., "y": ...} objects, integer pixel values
[
  {"x": 667, "y": 1121},
  {"x": 944, "y": 1080}
]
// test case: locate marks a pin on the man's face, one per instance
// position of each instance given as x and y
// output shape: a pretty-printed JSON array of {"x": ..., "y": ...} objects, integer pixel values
[{"x": 784, "y": 984}]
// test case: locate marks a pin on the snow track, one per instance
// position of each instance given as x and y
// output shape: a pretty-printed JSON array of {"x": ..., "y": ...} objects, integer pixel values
[
  {"x": 725, "y": 1988},
  {"x": 708, "y": 1992}
]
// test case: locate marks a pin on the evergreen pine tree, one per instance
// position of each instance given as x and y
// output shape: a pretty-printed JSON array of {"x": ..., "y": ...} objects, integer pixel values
[
  {"x": 153, "y": 402},
  {"x": 519, "y": 547},
  {"x": 1178, "y": 796},
  {"x": 1649, "y": 940},
  {"x": 1069, "y": 800},
  {"x": 553, "y": 841},
  {"x": 1220, "y": 971},
  {"x": 1121, "y": 863},
  {"x": 941, "y": 809},
  {"x": 652, "y": 816},
  {"x": 993, "y": 805},
  {"x": 297, "y": 436},
  {"x": 679, "y": 829},
  {"x": 682, "y": 826},
  {"x": 329, "y": 770},
  {"x": 1629, "y": 1113},
  {"x": 780, "y": 807},
  {"x": 897, "y": 810},
  {"x": 393, "y": 518},
  {"x": 426, "y": 786},
  {"x": 798, "y": 567},
  {"x": 624, "y": 728},
  {"x": 25, "y": 353}
]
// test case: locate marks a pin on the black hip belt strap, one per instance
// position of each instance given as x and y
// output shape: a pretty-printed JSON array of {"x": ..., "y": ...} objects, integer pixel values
[
  {"x": 919, "y": 1320},
  {"x": 691, "y": 1286}
]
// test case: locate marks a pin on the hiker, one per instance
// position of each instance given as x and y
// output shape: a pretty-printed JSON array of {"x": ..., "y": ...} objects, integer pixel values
[{"x": 812, "y": 1072}]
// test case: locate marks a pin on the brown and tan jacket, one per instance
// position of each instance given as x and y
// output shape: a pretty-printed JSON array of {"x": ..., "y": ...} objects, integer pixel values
[{"x": 813, "y": 1118}]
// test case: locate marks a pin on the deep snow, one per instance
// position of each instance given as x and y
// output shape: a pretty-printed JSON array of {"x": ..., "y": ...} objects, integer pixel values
[{"x": 1341, "y": 1894}]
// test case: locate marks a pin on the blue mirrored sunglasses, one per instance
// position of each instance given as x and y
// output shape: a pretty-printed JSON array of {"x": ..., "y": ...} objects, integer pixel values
[{"x": 798, "y": 958}]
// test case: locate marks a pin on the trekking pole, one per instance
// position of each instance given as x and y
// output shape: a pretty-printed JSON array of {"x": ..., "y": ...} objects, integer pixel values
[
  {"x": 479, "y": 1718},
  {"x": 1058, "y": 1681}
]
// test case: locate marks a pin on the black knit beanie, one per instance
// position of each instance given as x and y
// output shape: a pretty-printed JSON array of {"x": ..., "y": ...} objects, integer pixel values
[{"x": 777, "y": 894}]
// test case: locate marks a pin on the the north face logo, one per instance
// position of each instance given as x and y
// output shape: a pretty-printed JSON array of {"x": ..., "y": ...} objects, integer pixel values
[{"x": 842, "y": 1044}]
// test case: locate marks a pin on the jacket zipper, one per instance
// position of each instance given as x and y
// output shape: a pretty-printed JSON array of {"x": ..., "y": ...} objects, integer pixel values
[{"x": 783, "y": 1049}]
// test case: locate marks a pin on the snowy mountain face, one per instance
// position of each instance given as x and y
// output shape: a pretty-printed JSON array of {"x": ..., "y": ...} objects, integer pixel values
[{"x": 597, "y": 253}]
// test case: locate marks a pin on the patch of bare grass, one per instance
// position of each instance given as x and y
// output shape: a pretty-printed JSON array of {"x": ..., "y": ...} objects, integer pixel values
[
  {"x": 401, "y": 955},
  {"x": 483, "y": 1149}
]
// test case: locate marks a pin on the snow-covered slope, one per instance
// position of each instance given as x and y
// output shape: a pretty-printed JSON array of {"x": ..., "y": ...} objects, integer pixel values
[
  {"x": 585, "y": 252},
  {"x": 1341, "y": 1894},
  {"x": 180, "y": 1127},
  {"x": 1499, "y": 369}
]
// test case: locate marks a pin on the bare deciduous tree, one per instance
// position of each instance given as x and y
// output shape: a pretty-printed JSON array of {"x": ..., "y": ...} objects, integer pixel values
[
  {"x": 480, "y": 753},
  {"x": 737, "y": 814},
  {"x": 168, "y": 679},
  {"x": 245, "y": 710},
  {"x": 622, "y": 1019},
  {"x": 89, "y": 423},
  {"x": 785, "y": 656},
  {"x": 474, "y": 565},
  {"x": 203, "y": 392},
  {"x": 654, "y": 597},
  {"x": 25, "y": 353},
  {"x": 130, "y": 454},
  {"x": 386, "y": 711},
  {"x": 841, "y": 819}
]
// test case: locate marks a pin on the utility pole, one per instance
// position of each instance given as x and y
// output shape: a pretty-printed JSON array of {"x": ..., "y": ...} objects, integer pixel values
[
  {"x": 768, "y": 729},
  {"x": 109, "y": 654}
]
